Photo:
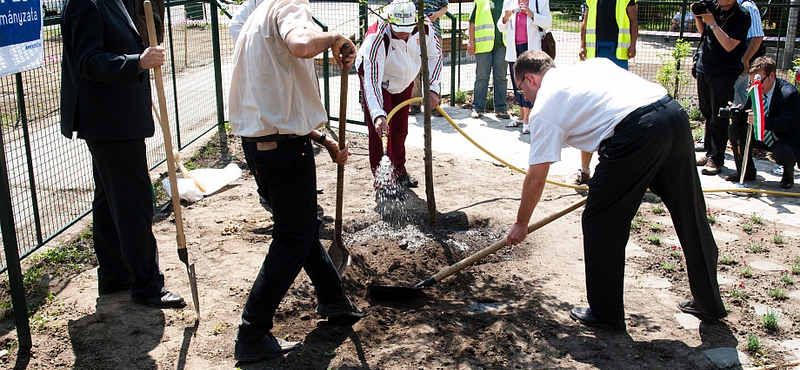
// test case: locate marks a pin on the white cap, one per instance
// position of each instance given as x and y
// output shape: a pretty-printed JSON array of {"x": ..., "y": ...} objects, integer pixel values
[{"x": 402, "y": 15}]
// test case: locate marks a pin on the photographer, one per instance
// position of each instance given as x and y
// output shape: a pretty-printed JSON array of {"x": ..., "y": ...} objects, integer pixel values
[
  {"x": 781, "y": 123},
  {"x": 724, "y": 26}
]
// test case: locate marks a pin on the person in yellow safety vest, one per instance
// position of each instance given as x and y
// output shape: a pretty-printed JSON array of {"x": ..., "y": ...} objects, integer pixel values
[
  {"x": 486, "y": 43},
  {"x": 609, "y": 30}
]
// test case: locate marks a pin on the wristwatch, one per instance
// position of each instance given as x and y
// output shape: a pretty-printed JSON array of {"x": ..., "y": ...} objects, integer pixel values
[
  {"x": 712, "y": 26},
  {"x": 322, "y": 137}
]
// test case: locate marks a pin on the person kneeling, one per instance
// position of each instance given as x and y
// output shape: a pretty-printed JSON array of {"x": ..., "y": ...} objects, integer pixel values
[{"x": 781, "y": 123}]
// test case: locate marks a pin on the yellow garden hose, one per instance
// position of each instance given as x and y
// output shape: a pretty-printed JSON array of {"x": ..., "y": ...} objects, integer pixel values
[{"x": 579, "y": 187}]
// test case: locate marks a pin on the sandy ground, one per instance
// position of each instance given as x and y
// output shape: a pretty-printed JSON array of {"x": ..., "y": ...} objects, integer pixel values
[{"x": 510, "y": 310}]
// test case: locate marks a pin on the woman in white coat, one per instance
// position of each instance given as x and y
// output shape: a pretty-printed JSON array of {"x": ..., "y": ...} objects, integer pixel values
[{"x": 523, "y": 27}]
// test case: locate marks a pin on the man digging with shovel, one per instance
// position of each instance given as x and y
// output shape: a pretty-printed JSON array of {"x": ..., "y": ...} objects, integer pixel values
[
  {"x": 643, "y": 140},
  {"x": 275, "y": 107}
]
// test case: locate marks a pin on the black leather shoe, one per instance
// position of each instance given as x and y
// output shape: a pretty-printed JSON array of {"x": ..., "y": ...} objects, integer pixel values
[
  {"x": 165, "y": 300},
  {"x": 787, "y": 181},
  {"x": 340, "y": 309},
  {"x": 687, "y": 306},
  {"x": 407, "y": 181},
  {"x": 115, "y": 286},
  {"x": 737, "y": 176},
  {"x": 585, "y": 317},
  {"x": 267, "y": 347}
]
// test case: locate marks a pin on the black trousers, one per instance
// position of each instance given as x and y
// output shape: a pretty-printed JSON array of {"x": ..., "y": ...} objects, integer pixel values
[
  {"x": 656, "y": 151},
  {"x": 123, "y": 216},
  {"x": 714, "y": 92},
  {"x": 782, "y": 153}
]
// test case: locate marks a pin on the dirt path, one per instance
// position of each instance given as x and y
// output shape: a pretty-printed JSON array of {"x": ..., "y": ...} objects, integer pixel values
[{"x": 507, "y": 311}]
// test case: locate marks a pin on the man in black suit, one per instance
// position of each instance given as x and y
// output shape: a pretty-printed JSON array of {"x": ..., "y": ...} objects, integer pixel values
[
  {"x": 105, "y": 98},
  {"x": 781, "y": 124}
]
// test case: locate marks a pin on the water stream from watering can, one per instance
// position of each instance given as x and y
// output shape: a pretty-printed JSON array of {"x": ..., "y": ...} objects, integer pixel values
[{"x": 389, "y": 195}]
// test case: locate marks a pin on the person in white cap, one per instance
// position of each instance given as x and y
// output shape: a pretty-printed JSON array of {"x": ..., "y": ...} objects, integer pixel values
[{"x": 387, "y": 63}]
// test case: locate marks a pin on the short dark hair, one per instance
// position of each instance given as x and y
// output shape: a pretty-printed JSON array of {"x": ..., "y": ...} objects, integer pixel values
[
  {"x": 765, "y": 64},
  {"x": 533, "y": 61}
]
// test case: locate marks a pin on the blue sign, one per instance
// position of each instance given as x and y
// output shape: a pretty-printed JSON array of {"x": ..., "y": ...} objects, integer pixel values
[{"x": 20, "y": 35}]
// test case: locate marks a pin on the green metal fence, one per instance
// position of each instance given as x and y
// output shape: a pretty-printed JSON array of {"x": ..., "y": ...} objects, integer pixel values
[{"x": 46, "y": 182}]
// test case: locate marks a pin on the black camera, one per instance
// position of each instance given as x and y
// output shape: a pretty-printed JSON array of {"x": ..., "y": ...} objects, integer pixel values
[
  {"x": 703, "y": 6},
  {"x": 732, "y": 112}
]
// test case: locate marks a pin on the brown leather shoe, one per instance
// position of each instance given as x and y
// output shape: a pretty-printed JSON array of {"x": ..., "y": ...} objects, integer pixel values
[
  {"x": 702, "y": 161},
  {"x": 711, "y": 169}
]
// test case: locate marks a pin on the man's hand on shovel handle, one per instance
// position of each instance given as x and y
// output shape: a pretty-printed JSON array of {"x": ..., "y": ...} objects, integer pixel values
[
  {"x": 152, "y": 57},
  {"x": 336, "y": 48}
]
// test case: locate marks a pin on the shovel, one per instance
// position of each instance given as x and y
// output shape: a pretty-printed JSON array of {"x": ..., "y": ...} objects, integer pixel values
[
  {"x": 338, "y": 252},
  {"x": 399, "y": 292},
  {"x": 173, "y": 178}
]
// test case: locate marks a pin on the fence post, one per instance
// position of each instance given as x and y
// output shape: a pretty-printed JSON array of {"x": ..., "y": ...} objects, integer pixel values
[
  {"x": 215, "y": 49},
  {"x": 791, "y": 32},
  {"x": 12, "y": 256}
]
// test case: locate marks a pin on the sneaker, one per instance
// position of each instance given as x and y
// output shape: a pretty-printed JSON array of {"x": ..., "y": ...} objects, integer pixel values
[
  {"x": 267, "y": 347},
  {"x": 526, "y": 129},
  {"x": 581, "y": 178},
  {"x": 502, "y": 115},
  {"x": 341, "y": 308},
  {"x": 475, "y": 114},
  {"x": 407, "y": 181}
]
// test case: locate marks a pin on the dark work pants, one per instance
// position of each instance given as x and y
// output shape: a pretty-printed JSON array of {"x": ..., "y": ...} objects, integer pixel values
[
  {"x": 782, "y": 153},
  {"x": 123, "y": 217},
  {"x": 654, "y": 151},
  {"x": 398, "y": 130},
  {"x": 713, "y": 93},
  {"x": 289, "y": 173}
]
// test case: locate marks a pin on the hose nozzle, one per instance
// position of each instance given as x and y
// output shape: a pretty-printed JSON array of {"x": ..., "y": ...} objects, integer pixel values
[{"x": 385, "y": 143}]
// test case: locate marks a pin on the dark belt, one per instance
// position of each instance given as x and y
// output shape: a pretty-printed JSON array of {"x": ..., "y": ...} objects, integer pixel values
[
  {"x": 641, "y": 111},
  {"x": 273, "y": 138}
]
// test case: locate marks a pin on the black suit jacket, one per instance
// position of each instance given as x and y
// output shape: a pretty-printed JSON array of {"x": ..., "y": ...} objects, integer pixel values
[
  {"x": 104, "y": 94},
  {"x": 783, "y": 117}
]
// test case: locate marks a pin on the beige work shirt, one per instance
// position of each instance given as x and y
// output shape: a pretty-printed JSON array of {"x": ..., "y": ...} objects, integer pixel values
[{"x": 272, "y": 91}]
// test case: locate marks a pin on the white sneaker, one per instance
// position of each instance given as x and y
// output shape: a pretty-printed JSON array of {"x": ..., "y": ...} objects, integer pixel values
[{"x": 526, "y": 129}]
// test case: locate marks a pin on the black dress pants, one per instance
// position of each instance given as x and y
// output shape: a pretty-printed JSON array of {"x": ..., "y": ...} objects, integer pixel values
[
  {"x": 714, "y": 92},
  {"x": 656, "y": 151},
  {"x": 123, "y": 217}
]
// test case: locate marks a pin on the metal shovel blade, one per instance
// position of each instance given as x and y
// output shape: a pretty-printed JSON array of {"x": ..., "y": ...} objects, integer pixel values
[
  {"x": 339, "y": 256},
  {"x": 193, "y": 286}
]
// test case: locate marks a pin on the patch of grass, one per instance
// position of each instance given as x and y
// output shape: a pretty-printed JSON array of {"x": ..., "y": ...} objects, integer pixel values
[
  {"x": 756, "y": 219},
  {"x": 658, "y": 209},
  {"x": 770, "y": 321},
  {"x": 747, "y": 227},
  {"x": 753, "y": 344},
  {"x": 655, "y": 227},
  {"x": 639, "y": 218},
  {"x": 726, "y": 259},
  {"x": 654, "y": 239},
  {"x": 777, "y": 293}
]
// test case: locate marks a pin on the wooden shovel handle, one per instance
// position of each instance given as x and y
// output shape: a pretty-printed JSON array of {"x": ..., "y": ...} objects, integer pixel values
[
  {"x": 337, "y": 225},
  {"x": 164, "y": 122}
]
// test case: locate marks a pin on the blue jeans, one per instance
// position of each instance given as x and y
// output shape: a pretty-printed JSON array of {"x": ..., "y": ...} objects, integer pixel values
[
  {"x": 289, "y": 173},
  {"x": 492, "y": 62},
  {"x": 608, "y": 50}
]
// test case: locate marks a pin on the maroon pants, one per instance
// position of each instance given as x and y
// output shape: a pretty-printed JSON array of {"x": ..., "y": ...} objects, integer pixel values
[{"x": 398, "y": 130}]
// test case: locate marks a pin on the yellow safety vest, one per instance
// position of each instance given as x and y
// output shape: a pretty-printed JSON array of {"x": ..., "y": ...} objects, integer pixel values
[
  {"x": 484, "y": 27},
  {"x": 624, "y": 24}
]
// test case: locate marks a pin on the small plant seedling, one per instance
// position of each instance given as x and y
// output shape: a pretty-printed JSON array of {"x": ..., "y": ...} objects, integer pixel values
[
  {"x": 747, "y": 227},
  {"x": 655, "y": 227},
  {"x": 219, "y": 328},
  {"x": 756, "y": 219},
  {"x": 786, "y": 277},
  {"x": 796, "y": 266},
  {"x": 727, "y": 259},
  {"x": 635, "y": 225},
  {"x": 675, "y": 252},
  {"x": 329, "y": 353},
  {"x": 754, "y": 246},
  {"x": 747, "y": 271},
  {"x": 777, "y": 237},
  {"x": 712, "y": 218},
  {"x": 654, "y": 239},
  {"x": 669, "y": 266},
  {"x": 777, "y": 293},
  {"x": 639, "y": 218},
  {"x": 658, "y": 209},
  {"x": 753, "y": 344},
  {"x": 770, "y": 321},
  {"x": 737, "y": 292}
]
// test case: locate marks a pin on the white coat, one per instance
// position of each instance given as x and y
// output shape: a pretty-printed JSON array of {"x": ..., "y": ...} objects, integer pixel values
[{"x": 541, "y": 19}]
